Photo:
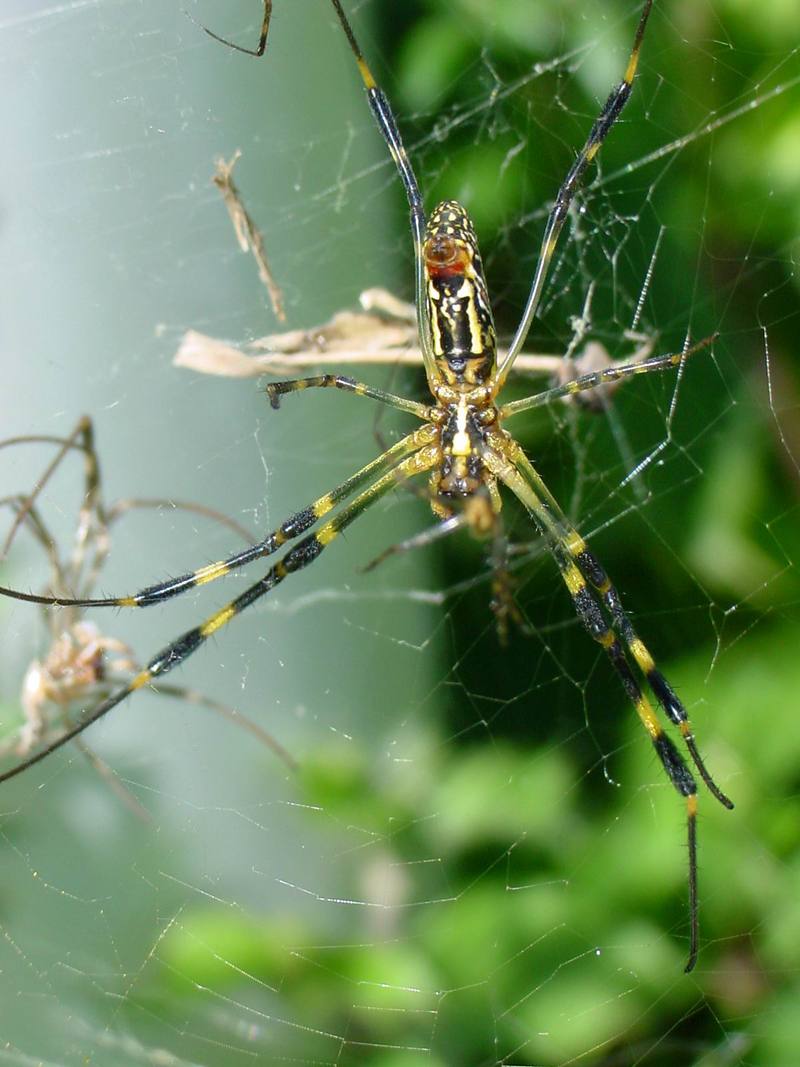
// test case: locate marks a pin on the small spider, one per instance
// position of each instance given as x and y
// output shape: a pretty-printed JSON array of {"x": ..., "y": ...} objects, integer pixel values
[
  {"x": 461, "y": 446},
  {"x": 81, "y": 665}
]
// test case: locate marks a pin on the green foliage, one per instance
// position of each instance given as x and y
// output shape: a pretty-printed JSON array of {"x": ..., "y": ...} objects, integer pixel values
[{"x": 509, "y": 938}]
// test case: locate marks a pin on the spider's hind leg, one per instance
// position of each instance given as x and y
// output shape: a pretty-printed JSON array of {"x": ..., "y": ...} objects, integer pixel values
[
  {"x": 482, "y": 511},
  {"x": 566, "y": 546},
  {"x": 503, "y": 603},
  {"x": 666, "y": 696},
  {"x": 588, "y": 569}
]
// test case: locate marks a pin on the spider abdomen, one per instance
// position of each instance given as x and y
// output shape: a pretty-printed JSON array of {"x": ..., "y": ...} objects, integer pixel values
[{"x": 462, "y": 327}]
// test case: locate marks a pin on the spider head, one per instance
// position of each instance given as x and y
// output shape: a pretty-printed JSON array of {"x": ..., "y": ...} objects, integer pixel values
[{"x": 462, "y": 328}]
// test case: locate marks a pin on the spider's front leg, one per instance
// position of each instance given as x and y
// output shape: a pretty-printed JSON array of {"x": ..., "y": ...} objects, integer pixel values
[
  {"x": 275, "y": 390},
  {"x": 298, "y": 523},
  {"x": 298, "y": 557}
]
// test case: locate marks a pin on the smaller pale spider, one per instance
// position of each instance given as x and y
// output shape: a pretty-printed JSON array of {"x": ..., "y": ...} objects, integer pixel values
[{"x": 82, "y": 665}]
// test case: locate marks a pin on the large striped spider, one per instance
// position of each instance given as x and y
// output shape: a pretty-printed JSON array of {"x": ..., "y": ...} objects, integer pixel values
[{"x": 462, "y": 447}]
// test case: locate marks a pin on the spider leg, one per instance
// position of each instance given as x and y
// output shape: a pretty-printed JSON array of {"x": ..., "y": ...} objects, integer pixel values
[
  {"x": 124, "y": 505},
  {"x": 294, "y": 526},
  {"x": 35, "y": 525},
  {"x": 504, "y": 465},
  {"x": 568, "y": 537},
  {"x": 387, "y": 125},
  {"x": 238, "y": 718},
  {"x": 275, "y": 390},
  {"x": 82, "y": 439},
  {"x": 298, "y": 557},
  {"x": 420, "y": 540},
  {"x": 603, "y": 377},
  {"x": 262, "y": 40},
  {"x": 37, "y": 528},
  {"x": 120, "y": 508},
  {"x": 233, "y": 715},
  {"x": 113, "y": 782},
  {"x": 503, "y": 605},
  {"x": 609, "y": 114}
]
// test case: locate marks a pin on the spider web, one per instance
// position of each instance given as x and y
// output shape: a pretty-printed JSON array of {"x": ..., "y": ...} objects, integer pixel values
[{"x": 479, "y": 860}]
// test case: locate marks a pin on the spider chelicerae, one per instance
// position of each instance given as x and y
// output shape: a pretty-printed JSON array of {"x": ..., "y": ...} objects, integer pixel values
[{"x": 462, "y": 447}]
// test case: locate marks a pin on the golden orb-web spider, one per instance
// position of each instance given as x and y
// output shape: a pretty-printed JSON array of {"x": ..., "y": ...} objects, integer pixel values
[{"x": 462, "y": 447}]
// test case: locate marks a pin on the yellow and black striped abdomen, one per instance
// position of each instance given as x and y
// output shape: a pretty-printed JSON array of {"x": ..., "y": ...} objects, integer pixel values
[{"x": 462, "y": 328}]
